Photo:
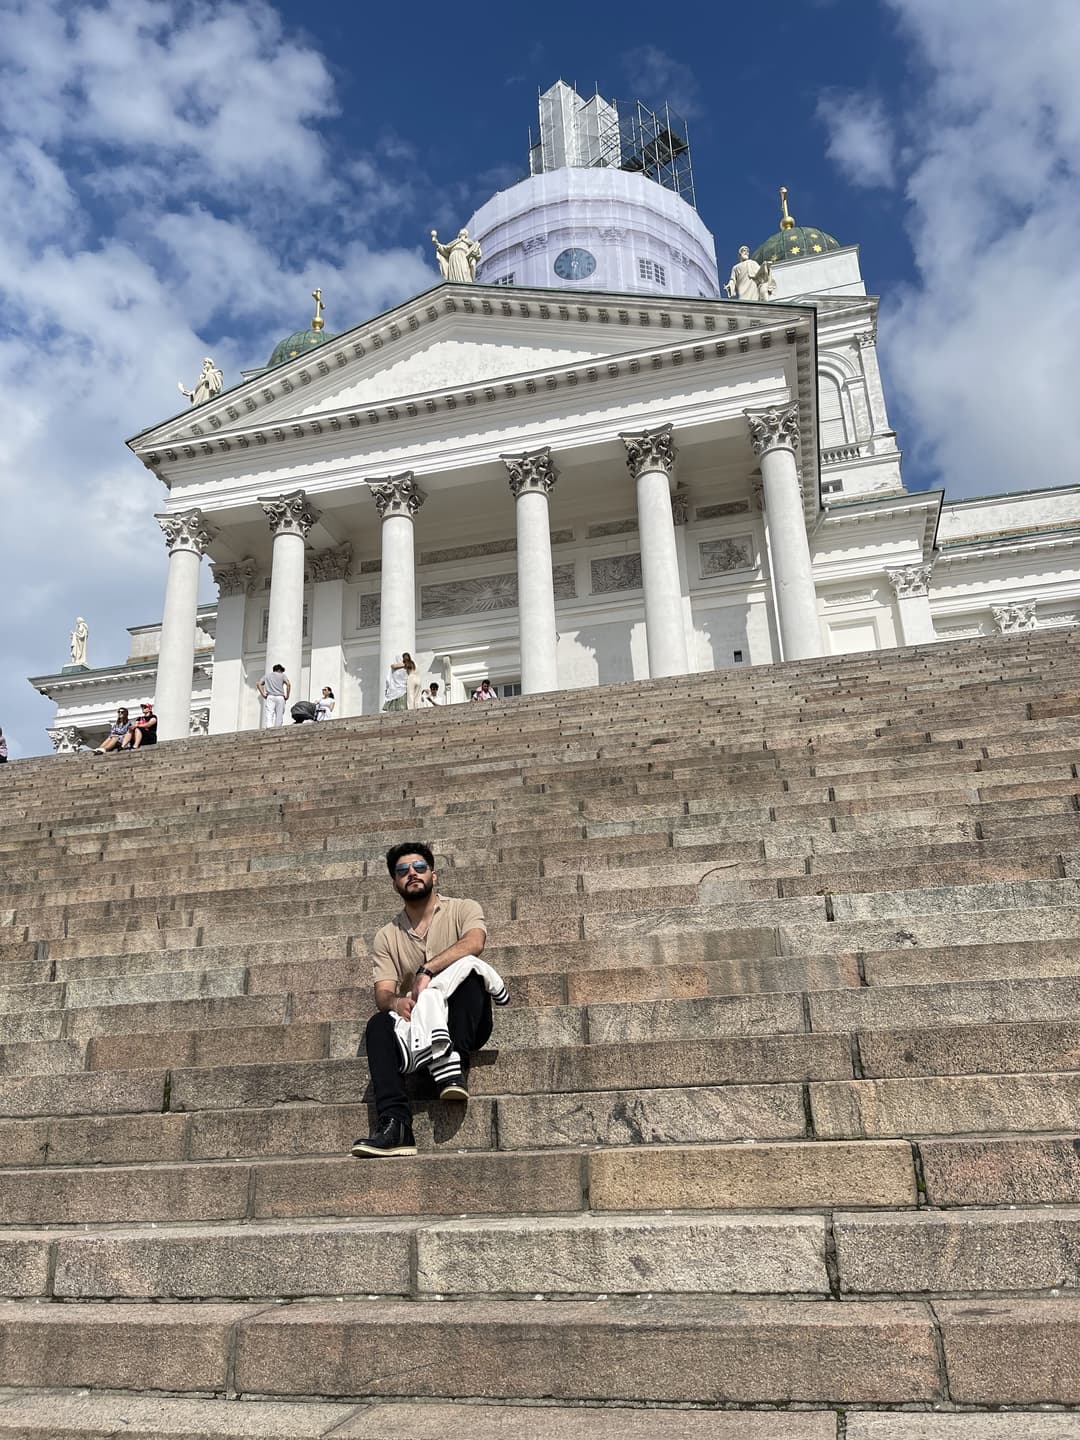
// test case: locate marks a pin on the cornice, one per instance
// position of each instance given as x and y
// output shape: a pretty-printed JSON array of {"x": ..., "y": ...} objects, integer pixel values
[
  {"x": 957, "y": 551},
  {"x": 107, "y": 675}
]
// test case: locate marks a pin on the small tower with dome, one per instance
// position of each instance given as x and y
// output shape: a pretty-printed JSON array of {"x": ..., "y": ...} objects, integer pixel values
[
  {"x": 808, "y": 261},
  {"x": 302, "y": 340}
]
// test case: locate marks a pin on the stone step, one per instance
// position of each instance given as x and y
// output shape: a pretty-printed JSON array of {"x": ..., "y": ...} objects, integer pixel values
[
  {"x": 665, "y": 1349},
  {"x": 949, "y": 1105}
]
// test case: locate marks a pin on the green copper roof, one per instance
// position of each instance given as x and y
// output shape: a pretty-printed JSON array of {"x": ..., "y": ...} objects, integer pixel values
[
  {"x": 792, "y": 244},
  {"x": 297, "y": 344}
]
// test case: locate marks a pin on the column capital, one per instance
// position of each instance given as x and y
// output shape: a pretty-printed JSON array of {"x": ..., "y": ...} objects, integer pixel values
[
  {"x": 1011, "y": 619},
  {"x": 186, "y": 530},
  {"x": 910, "y": 580},
  {"x": 289, "y": 514},
  {"x": 650, "y": 450},
  {"x": 330, "y": 564},
  {"x": 532, "y": 471},
  {"x": 66, "y": 739},
  {"x": 775, "y": 428},
  {"x": 235, "y": 578},
  {"x": 397, "y": 495}
]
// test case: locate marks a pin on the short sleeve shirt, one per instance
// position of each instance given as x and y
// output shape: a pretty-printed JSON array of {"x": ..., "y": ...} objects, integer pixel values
[{"x": 398, "y": 951}]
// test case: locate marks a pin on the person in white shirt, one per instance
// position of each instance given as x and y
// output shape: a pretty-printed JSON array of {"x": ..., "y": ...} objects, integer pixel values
[
  {"x": 324, "y": 708},
  {"x": 485, "y": 691},
  {"x": 430, "y": 698},
  {"x": 396, "y": 688}
]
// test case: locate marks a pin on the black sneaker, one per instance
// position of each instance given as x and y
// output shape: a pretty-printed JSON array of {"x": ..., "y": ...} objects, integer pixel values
[
  {"x": 453, "y": 1087},
  {"x": 390, "y": 1137}
]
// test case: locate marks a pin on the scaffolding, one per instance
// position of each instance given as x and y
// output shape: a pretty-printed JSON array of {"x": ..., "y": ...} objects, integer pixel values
[{"x": 581, "y": 134}]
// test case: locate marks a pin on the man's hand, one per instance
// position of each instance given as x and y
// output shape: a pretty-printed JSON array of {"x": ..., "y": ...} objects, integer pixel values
[
  {"x": 403, "y": 1005},
  {"x": 420, "y": 984}
]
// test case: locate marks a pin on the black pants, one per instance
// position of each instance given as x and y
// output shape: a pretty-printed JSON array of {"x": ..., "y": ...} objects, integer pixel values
[{"x": 469, "y": 1023}]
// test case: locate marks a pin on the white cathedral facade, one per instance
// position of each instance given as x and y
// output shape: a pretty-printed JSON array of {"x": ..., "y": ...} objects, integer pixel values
[{"x": 587, "y": 466}]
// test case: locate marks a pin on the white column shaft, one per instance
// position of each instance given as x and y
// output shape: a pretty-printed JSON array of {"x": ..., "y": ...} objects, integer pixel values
[
  {"x": 285, "y": 627},
  {"x": 664, "y": 627},
  {"x": 796, "y": 598},
  {"x": 176, "y": 658},
  {"x": 397, "y": 625},
  {"x": 227, "y": 684},
  {"x": 536, "y": 594},
  {"x": 327, "y": 659},
  {"x": 916, "y": 626}
]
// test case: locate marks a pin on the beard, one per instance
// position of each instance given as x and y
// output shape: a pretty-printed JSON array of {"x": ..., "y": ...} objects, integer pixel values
[{"x": 417, "y": 887}]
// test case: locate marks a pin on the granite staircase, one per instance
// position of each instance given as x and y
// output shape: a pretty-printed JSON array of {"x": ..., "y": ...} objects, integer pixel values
[{"x": 779, "y": 1140}]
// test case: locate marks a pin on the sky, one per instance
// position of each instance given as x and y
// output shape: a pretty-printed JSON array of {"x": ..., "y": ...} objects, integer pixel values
[{"x": 176, "y": 177}]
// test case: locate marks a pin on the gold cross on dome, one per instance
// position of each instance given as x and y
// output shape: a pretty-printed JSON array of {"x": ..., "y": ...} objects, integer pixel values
[{"x": 317, "y": 323}]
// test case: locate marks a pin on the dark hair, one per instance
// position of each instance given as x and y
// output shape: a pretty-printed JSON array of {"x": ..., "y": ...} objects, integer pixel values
[
  {"x": 410, "y": 847},
  {"x": 434, "y": 685},
  {"x": 280, "y": 667},
  {"x": 408, "y": 662},
  {"x": 329, "y": 691}
]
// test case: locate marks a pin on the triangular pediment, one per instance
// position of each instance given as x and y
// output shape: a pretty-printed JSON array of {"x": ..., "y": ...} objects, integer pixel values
[{"x": 451, "y": 337}]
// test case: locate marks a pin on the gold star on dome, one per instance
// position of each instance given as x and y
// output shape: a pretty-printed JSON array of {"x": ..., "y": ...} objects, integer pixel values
[
  {"x": 816, "y": 249},
  {"x": 794, "y": 249}
]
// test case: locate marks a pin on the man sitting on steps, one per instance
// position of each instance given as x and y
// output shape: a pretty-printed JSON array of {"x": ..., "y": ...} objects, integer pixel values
[{"x": 434, "y": 942}]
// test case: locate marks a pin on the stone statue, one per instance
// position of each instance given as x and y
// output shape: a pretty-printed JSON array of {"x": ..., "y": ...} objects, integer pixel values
[
  {"x": 458, "y": 259},
  {"x": 79, "y": 637},
  {"x": 749, "y": 280},
  {"x": 206, "y": 387}
]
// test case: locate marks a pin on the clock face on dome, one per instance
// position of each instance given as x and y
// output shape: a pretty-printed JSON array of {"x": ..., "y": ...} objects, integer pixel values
[{"x": 574, "y": 264}]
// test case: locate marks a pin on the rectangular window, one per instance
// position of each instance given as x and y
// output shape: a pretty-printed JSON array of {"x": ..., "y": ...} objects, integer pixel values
[
  {"x": 650, "y": 270},
  {"x": 509, "y": 690},
  {"x": 505, "y": 279}
]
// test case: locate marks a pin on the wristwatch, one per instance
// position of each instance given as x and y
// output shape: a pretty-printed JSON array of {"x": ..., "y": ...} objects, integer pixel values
[{"x": 423, "y": 970}]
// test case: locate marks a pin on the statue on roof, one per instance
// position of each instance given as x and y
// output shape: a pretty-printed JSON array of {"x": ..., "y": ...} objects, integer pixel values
[
  {"x": 79, "y": 637},
  {"x": 457, "y": 259},
  {"x": 749, "y": 280},
  {"x": 207, "y": 386}
]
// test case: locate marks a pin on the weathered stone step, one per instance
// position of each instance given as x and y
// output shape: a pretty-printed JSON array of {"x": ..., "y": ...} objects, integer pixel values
[
  {"x": 670, "y": 1349},
  {"x": 984, "y": 1251},
  {"x": 951, "y": 1105},
  {"x": 92, "y": 1417}
]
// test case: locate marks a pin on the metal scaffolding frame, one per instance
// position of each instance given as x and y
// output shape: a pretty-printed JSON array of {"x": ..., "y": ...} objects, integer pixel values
[{"x": 576, "y": 133}]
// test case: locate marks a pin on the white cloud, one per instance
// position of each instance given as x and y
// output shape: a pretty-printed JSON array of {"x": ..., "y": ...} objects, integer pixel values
[
  {"x": 657, "y": 79},
  {"x": 981, "y": 351},
  {"x": 860, "y": 139},
  {"x": 155, "y": 151}
]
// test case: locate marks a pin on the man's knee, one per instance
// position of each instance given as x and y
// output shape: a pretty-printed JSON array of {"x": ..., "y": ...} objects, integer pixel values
[{"x": 378, "y": 1025}]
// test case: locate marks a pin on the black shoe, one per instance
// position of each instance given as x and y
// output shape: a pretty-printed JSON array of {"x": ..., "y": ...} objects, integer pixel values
[
  {"x": 390, "y": 1137},
  {"x": 454, "y": 1087}
]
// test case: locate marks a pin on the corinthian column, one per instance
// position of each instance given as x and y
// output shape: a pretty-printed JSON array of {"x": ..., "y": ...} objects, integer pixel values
[
  {"x": 235, "y": 582},
  {"x": 532, "y": 477},
  {"x": 774, "y": 435},
  {"x": 911, "y": 585},
  {"x": 650, "y": 457},
  {"x": 397, "y": 499},
  {"x": 186, "y": 537},
  {"x": 290, "y": 517}
]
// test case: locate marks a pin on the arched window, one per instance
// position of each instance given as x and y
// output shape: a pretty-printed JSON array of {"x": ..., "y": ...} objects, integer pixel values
[{"x": 830, "y": 413}]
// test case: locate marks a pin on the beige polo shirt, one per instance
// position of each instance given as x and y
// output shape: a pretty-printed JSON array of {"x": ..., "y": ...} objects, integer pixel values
[{"x": 398, "y": 951}]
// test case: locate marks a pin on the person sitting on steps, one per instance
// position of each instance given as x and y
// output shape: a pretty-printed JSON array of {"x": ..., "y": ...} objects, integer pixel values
[{"x": 420, "y": 947}]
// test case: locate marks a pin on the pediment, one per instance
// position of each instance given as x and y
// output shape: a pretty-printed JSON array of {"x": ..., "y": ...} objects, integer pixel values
[{"x": 451, "y": 337}]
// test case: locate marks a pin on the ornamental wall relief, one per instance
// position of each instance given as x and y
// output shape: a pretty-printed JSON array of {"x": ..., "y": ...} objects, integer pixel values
[
  {"x": 485, "y": 593},
  {"x": 718, "y": 557},
  {"x": 614, "y": 573}
]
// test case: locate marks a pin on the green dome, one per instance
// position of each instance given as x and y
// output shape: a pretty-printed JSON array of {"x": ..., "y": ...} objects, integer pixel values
[
  {"x": 297, "y": 344},
  {"x": 792, "y": 244}
]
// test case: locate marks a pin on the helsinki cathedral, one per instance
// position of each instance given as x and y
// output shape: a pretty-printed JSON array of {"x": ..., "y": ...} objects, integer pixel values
[{"x": 586, "y": 454}]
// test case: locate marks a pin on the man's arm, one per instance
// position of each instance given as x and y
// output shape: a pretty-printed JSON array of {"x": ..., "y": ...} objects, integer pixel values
[
  {"x": 471, "y": 943},
  {"x": 261, "y": 689},
  {"x": 387, "y": 998},
  {"x": 288, "y": 687}
]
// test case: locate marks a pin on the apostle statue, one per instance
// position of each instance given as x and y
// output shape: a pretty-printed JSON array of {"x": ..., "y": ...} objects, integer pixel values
[
  {"x": 206, "y": 387},
  {"x": 79, "y": 637},
  {"x": 458, "y": 259},
  {"x": 749, "y": 280}
]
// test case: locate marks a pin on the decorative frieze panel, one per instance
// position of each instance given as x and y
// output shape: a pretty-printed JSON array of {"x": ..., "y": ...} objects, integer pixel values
[
  {"x": 1011, "y": 619},
  {"x": 720, "y": 512},
  {"x": 199, "y": 724},
  {"x": 370, "y": 611},
  {"x": 468, "y": 552},
  {"x": 264, "y": 630},
  {"x": 680, "y": 506},
  {"x": 611, "y": 527},
  {"x": 616, "y": 572},
  {"x": 719, "y": 557},
  {"x": 370, "y": 567},
  {"x": 849, "y": 597},
  {"x": 66, "y": 739},
  {"x": 487, "y": 592}
]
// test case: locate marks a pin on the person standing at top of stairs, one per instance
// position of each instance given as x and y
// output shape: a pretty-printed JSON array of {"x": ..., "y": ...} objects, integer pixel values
[
  {"x": 429, "y": 935},
  {"x": 275, "y": 687}
]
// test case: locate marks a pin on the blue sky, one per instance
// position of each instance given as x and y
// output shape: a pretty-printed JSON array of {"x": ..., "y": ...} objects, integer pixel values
[{"x": 176, "y": 176}]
